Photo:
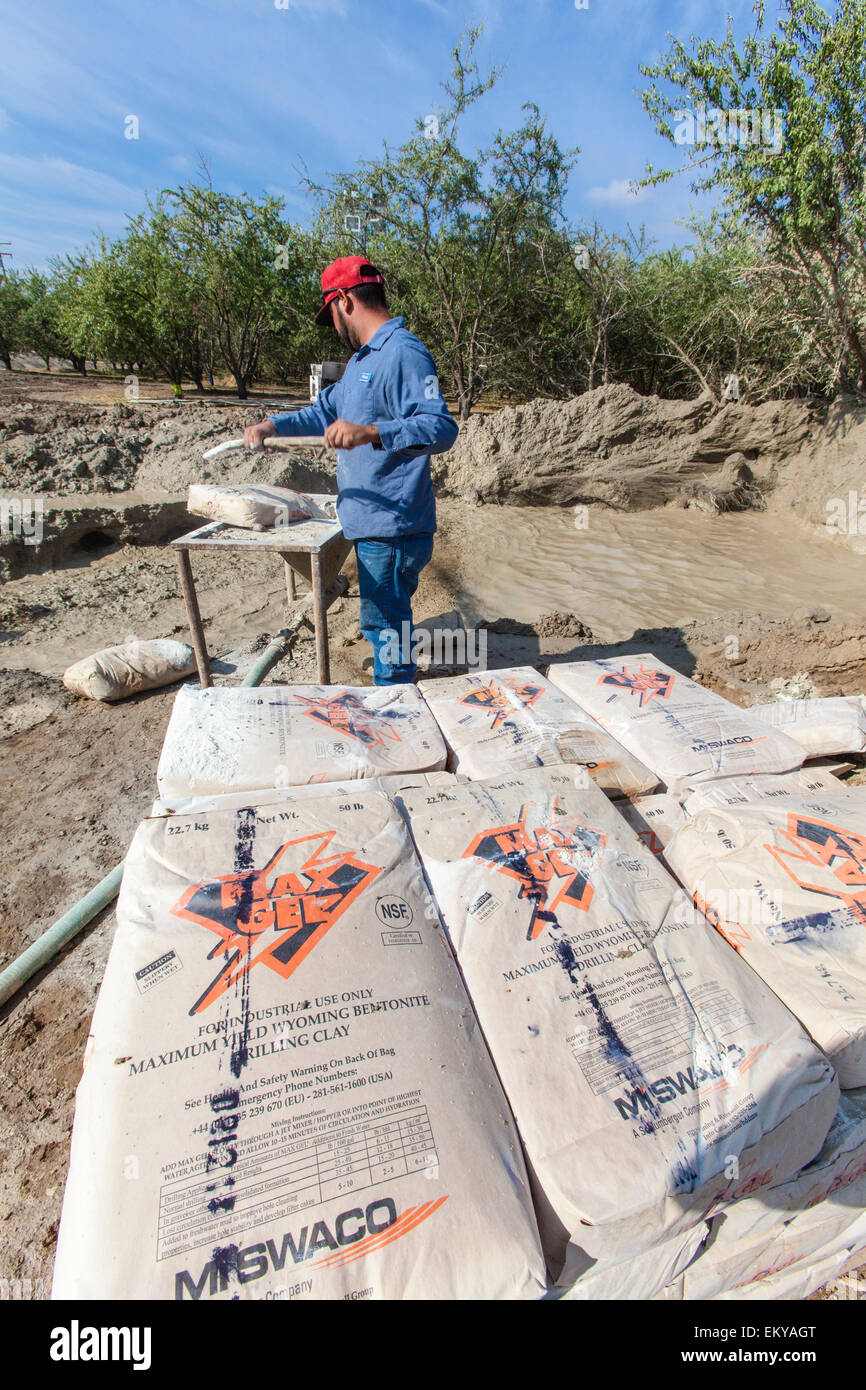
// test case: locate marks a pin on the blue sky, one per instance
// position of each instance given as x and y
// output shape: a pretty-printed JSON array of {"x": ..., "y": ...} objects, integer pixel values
[{"x": 258, "y": 89}]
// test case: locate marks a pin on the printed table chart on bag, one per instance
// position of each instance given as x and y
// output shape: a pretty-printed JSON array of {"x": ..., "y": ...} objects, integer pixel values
[
  {"x": 303, "y": 1172},
  {"x": 315, "y": 550}
]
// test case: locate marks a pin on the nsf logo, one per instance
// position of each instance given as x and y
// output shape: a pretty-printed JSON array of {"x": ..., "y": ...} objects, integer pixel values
[{"x": 394, "y": 912}]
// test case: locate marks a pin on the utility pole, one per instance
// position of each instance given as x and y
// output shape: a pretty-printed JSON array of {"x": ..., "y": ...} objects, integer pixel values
[{"x": 2, "y": 254}]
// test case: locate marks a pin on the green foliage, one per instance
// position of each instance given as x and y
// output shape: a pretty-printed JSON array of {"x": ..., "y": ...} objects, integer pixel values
[
  {"x": 40, "y": 326},
  {"x": 801, "y": 196},
  {"x": 230, "y": 244},
  {"x": 13, "y": 308},
  {"x": 463, "y": 238},
  {"x": 133, "y": 300}
]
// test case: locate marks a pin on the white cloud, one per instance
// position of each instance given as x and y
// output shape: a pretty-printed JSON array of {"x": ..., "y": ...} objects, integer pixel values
[
  {"x": 50, "y": 174},
  {"x": 617, "y": 193},
  {"x": 55, "y": 205}
]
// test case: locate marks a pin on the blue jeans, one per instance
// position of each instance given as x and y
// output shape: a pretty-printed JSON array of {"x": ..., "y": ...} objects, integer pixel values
[{"x": 388, "y": 570}]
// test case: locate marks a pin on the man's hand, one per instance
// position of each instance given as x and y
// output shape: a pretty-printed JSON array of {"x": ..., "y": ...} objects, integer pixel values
[
  {"x": 342, "y": 434},
  {"x": 255, "y": 435}
]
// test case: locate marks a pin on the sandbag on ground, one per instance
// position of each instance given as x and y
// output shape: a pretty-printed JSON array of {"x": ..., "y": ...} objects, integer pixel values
[
  {"x": 256, "y": 506},
  {"x": 685, "y": 733},
  {"x": 816, "y": 1214},
  {"x": 823, "y": 726},
  {"x": 638, "y": 1053},
  {"x": 654, "y": 819},
  {"x": 391, "y": 785},
  {"x": 287, "y": 1094},
  {"x": 496, "y": 722},
  {"x": 232, "y": 738},
  {"x": 118, "y": 672},
  {"x": 739, "y": 791},
  {"x": 785, "y": 883}
]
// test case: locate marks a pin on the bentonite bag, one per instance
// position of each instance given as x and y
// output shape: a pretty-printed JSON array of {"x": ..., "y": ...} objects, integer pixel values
[
  {"x": 785, "y": 882},
  {"x": 654, "y": 819},
  {"x": 739, "y": 791},
  {"x": 814, "y": 1215},
  {"x": 231, "y": 738},
  {"x": 496, "y": 722},
  {"x": 685, "y": 733},
  {"x": 256, "y": 506},
  {"x": 793, "y": 1276},
  {"x": 116, "y": 672},
  {"x": 651, "y": 1073},
  {"x": 286, "y": 1093},
  {"x": 643, "y": 1276},
  {"x": 391, "y": 785},
  {"x": 822, "y": 727}
]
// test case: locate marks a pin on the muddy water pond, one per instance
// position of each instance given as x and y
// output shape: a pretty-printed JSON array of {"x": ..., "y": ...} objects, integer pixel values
[{"x": 651, "y": 569}]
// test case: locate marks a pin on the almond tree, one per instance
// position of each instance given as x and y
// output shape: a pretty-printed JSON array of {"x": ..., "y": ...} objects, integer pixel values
[
  {"x": 135, "y": 299},
  {"x": 232, "y": 244},
  {"x": 777, "y": 125},
  {"x": 13, "y": 307},
  {"x": 462, "y": 236}
]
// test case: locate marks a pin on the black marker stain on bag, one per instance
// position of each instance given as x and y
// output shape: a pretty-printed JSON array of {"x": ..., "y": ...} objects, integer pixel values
[
  {"x": 226, "y": 1263},
  {"x": 684, "y": 1170},
  {"x": 614, "y": 1048},
  {"x": 244, "y": 846},
  {"x": 223, "y": 1143}
]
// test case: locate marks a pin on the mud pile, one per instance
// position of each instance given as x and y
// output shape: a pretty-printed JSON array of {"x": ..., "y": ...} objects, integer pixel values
[
  {"x": 609, "y": 446},
  {"x": 117, "y": 448},
  {"x": 614, "y": 446},
  {"x": 741, "y": 655}
]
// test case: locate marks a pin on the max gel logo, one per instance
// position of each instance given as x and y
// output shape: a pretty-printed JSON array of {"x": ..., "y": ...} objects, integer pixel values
[
  {"x": 352, "y": 1235},
  {"x": 277, "y": 915},
  {"x": 347, "y": 715},
  {"x": 642, "y": 682},
  {"x": 501, "y": 703},
  {"x": 537, "y": 858},
  {"x": 825, "y": 858}
]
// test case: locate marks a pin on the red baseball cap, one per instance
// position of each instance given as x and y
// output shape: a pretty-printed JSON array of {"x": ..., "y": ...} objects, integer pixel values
[{"x": 345, "y": 274}]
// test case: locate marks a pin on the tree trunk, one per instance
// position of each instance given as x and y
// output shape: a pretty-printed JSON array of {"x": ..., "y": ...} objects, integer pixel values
[
  {"x": 241, "y": 385},
  {"x": 5, "y": 356}
]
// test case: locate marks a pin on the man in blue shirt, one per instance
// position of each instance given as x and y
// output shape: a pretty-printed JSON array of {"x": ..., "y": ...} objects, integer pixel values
[{"x": 385, "y": 417}]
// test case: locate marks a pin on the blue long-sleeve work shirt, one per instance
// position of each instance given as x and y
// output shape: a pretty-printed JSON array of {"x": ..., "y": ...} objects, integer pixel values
[{"x": 391, "y": 383}]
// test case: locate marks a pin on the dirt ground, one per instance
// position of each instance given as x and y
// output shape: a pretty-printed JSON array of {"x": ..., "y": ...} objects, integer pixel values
[
  {"x": 30, "y": 382},
  {"x": 78, "y": 776}
]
